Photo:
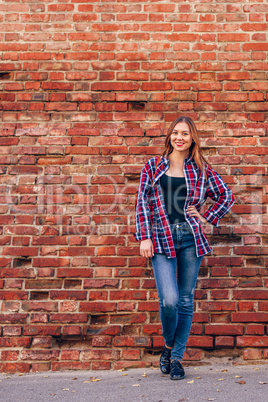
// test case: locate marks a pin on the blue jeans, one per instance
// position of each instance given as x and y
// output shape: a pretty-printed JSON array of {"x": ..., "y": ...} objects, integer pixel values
[{"x": 175, "y": 281}]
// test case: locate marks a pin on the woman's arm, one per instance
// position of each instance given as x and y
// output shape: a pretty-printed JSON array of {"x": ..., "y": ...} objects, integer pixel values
[
  {"x": 219, "y": 192},
  {"x": 142, "y": 213}
]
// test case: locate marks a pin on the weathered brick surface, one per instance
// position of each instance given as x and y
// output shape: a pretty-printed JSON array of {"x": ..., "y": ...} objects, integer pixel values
[{"x": 88, "y": 90}]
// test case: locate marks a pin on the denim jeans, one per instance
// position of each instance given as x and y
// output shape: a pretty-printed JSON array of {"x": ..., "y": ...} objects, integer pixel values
[{"x": 175, "y": 281}]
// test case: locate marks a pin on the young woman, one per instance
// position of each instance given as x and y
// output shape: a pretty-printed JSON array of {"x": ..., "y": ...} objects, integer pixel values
[{"x": 172, "y": 190}]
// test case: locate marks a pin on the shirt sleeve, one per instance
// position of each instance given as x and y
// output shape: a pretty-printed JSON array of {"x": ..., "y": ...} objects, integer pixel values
[
  {"x": 219, "y": 192},
  {"x": 142, "y": 213}
]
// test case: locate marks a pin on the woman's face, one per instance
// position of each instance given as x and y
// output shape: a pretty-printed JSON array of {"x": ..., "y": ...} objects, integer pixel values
[{"x": 181, "y": 138}]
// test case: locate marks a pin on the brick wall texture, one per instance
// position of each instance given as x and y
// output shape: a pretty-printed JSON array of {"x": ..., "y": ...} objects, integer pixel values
[{"x": 88, "y": 89}]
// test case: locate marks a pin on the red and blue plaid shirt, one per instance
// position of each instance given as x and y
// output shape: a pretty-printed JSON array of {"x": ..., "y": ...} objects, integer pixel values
[{"x": 151, "y": 216}]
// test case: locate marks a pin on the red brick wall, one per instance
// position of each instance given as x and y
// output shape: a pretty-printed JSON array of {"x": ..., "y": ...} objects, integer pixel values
[{"x": 88, "y": 89}]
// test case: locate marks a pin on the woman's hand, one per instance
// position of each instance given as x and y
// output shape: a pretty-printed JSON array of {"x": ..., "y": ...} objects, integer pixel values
[
  {"x": 192, "y": 211},
  {"x": 147, "y": 248}
]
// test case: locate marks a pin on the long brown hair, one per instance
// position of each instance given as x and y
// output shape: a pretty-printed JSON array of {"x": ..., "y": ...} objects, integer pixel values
[{"x": 195, "y": 148}]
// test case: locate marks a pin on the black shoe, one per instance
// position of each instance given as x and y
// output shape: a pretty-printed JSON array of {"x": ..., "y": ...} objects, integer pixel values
[
  {"x": 165, "y": 360},
  {"x": 176, "y": 370}
]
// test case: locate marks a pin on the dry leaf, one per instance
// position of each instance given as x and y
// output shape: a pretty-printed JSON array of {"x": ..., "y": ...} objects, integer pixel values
[
  {"x": 66, "y": 389},
  {"x": 221, "y": 379},
  {"x": 144, "y": 375},
  {"x": 224, "y": 370},
  {"x": 53, "y": 394},
  {"x": 95, "y": 379},
  {"x": 257, "y": 368},
  {"x": 238, "y": 376},
  {"x": 87, "y": 382},
  {"x": 211, "y": 399},
  {"x": 190, "y": 382},
  {"x": 217, "y": 389},
  {"x": 20, "y": 374},
  {"x": 135, "y": 385},
  {"x": 124, "y": 374},
  {"x": 241, "y": 382},
  {"x": 260, "y": 382},
  {"x": 122, "y": 369},
  {"x": 196, "y": 368},
  {"x": 45, "y": 376},
  {"x": 75, "y": 378},
  {"x": 197, "y": 378}
]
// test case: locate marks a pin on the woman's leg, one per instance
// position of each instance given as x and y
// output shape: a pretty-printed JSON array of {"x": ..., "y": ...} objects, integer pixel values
[
  {"x": 166, "y": 282},
  {"x": 188, "y": 268}
]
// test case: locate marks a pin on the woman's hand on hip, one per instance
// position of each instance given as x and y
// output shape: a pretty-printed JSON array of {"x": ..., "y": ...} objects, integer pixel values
[
  {"x": 192, "y": 211},
  {"x": 147, "y": 248}
]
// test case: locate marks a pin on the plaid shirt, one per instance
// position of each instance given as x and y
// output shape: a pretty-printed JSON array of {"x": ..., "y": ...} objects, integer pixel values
[{"x": 151, "y": 216}]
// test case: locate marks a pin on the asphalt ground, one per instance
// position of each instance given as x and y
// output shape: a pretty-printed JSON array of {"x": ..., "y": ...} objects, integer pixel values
[{"x": 216, "y": 382}]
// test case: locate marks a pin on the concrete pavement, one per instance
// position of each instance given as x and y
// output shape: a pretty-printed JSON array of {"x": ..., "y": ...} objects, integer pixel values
[{"x": 215, "y": 382}]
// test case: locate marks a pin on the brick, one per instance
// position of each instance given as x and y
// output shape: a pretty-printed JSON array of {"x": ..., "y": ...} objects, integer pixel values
[
  {"x": 133, "y": 354},
  {"x": 69, "y": 365},
  {"x": 250, "y": 294},
  {"x": 10, "y": 355},
  {"x": 255, "y": 329},
  {"x": 217, "y": 305},
  {"x": 200, "y": 341},
  {"x": 148, "y": 306},
  {"x": 132, "y": 341},
  {"x": 33, "y": 330},
  {"x": 252, "y": 341},
  {"x": 14, "y": 318},
  {"x": 68, "y": 295},
  {"x": 39, "y": 306},
  {"x": 12, "y": 330},
  {"x": 68, "y": 306},
  {"x": 127, "y": 294},
  {"x": 263, "y": 305},
  {"x": 68, "y": 318},
  {"x": 40, "y": 367},
  {"x": 224, "y": 341},
  {"x": 13, "y": 295},
  {"x": 74, "y": 272},
  {"x": 101, "y": 283},
  {"x": 39, "y": 354},
  {"x": 18, "y": 367},
  {"x": 100, "y": 354},
  {"x": 252, "y": 354},
  {"x": 119, "y": 365},
  {"x": 247, "y": 306},
  {"x": 71, "y": 330},
  {"x": 42, "y": 342},
  {"x": 224, "y": 329},
  {"x": 220, "y": 318},
  {"x": 97, "y": 307},
  {"x": 101, "y": 341},
  {"x": 97, "y": 330},
  {"x": 249, "y": 317},
  {"x": 70, "y": 354}
]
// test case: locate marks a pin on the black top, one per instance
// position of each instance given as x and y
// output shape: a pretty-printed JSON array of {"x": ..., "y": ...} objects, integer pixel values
[{"x": 175, "y": 191}]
